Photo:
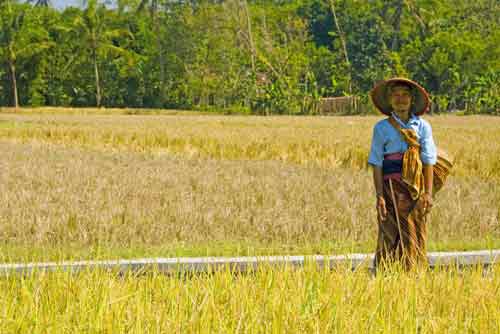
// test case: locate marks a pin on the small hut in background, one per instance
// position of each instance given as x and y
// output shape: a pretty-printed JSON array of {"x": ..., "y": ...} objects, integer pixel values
[{"x": 343, "y": 105}]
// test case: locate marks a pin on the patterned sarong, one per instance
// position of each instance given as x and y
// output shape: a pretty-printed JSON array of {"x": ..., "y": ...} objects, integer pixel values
[{"x": 404, "y": 242}]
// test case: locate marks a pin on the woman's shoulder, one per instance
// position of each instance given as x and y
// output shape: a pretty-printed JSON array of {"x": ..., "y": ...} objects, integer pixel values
[
  {"x": 383, "y": 123},
  {"x": 423, "y": 123},
  {"x": 382, "y": 126}
]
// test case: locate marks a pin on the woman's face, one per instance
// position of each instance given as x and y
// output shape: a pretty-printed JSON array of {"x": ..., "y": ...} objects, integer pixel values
[{"x": 400, "y": 99}]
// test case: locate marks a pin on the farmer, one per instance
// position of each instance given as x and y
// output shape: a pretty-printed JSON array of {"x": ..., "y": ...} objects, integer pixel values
[{"x": 402, "y": 173}]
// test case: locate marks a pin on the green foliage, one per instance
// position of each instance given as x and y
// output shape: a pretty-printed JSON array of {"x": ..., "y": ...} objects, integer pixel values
[
  {"x": 261, "y": 56},
  {"x": 23, "y": 42}
]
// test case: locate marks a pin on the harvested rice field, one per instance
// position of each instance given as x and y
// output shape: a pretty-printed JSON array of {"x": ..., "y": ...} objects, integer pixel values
[{"x": 77, "y": 185}]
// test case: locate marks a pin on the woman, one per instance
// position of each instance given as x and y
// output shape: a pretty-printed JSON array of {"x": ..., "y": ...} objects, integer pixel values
[{"x": 402, "y": 155}]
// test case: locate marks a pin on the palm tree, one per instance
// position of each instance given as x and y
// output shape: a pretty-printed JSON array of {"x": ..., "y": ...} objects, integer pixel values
[
  {"x": 344, "y": 45},
  {"x": 10, "y": 24},
  {"x": 399, "y": 7},
  {"x": 153, "y": 6},
  {"x": 40, "y": 3},
  {"x": 19, "y": 40},
  {"x": 97, "y": 38}
]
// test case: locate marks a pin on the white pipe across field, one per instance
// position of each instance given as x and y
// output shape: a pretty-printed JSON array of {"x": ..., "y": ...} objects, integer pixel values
[{"x": 185, "y": 265}]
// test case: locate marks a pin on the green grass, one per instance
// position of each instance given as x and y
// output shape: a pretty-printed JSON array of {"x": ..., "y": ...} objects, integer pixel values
[
  {"x": 271, "y": 300},
  {"x": 10, "y": 253}
]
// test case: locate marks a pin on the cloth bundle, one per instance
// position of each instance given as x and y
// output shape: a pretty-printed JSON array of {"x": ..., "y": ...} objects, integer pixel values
[{"x": 411, "y": 172}]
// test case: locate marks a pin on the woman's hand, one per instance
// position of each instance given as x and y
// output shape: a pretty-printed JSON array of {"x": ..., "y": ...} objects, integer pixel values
[
  {"x": 381, "y": 208},
  {"x": 427, "y": 202}
]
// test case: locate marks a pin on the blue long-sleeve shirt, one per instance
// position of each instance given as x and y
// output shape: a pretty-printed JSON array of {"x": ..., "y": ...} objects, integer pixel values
[{"x": 386, "y": 140}]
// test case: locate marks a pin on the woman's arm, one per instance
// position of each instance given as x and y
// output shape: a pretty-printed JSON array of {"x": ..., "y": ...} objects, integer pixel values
[
  {"x": 377, "y": 180},
  {"x": 428, "y": 171},
  {"x": 375, "y": 159},
  {"x": 379, "y": 186},
  {"x": 428, "y": 178},
  {"x": 429, "y": 157}
]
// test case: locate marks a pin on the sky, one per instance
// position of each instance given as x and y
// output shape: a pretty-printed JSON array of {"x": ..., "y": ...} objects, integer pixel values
[
  {"x": 65, "y": 3},
  {"x": 61, "y": 4}
]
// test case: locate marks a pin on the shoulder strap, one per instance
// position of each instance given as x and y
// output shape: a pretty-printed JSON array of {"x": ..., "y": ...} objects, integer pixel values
[
  {"x": 394, "y": 123},
  {"x": 408, "y": 135}
]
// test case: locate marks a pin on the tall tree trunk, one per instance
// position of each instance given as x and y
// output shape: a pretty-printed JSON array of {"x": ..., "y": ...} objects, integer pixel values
[
  {"x": 97, "y": 81},
  {"x": 415, "y": 12},
  {"x": 159, "y": 46},
  {"x": 161, "y": 56},
  {"x": 153, "y": 14},
  {"x": 250, "y": 35},
  {"x": 344, "y": 45},
  {"x": 396, "y": 24},
  {"x": 265, "y": 32},
  {"x": 15, "y": 97}
]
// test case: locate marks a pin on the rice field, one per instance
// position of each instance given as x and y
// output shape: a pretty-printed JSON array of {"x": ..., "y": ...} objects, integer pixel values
[{"x": 85, "y": 185}]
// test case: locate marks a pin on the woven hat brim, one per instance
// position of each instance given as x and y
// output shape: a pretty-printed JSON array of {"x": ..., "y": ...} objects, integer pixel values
[{"x": 420, "y": 103}]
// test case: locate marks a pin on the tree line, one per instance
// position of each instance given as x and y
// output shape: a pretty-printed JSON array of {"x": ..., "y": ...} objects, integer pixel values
[{"x": 251, "y": 56}]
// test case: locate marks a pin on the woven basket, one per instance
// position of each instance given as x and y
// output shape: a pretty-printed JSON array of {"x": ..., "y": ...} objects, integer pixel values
[{"x": 442, "y": 169}]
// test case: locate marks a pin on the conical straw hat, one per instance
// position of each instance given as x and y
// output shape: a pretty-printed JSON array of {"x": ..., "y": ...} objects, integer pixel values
[{"x": 380, "y": 96}]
